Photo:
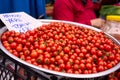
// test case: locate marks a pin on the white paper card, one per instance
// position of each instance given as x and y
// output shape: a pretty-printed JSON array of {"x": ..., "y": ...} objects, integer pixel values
[{"x": 19, "y": 21}]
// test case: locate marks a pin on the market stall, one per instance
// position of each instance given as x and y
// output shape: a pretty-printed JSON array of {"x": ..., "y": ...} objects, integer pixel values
[{"x": 60, "y": 50}]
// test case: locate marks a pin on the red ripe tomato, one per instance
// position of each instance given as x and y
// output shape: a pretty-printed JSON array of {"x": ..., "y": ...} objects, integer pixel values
[
  {"x": 52, "y": 60},
  {"x": 26, "y": 52},
  {"x": 69, "y": 71},
  {"x": 32, "y": 32},
  {"x": 101, "y": 47},
  {"x": 100, "y": 68},
  {"x": 56, "y": 37},
  {"x": 15, "y": 53},
  {"x": 58, "y": 57},
  {"x": 13, "y": 45},
  {"x": 65, "y": 58},
  {"x": 29, "y": 61},
  {"x": 94, "y": 69},
  {"x": 69, "y": 36},
  {"x": 40, "y": 59},
  {"x": 72, "y": 57},
  {"x": 101, "y": 63},
  {"x": 111, "y": 57},
  {"x": 22, "y": 36},
  {"x": 76, "y": 61},
  {"x": 42, "y": 46},
  {"x": 62, "y": 66},
  {"x": 19, "y": 48},
  {"x": 10, "y": 39},
  {"x": 86, "y": 72},
  {"x": 108, "y": 47},
  {"x": 48, "y": 49},
  {"x": 76, "y": 66},
  {"x": 45, "y": 66},
  {"x": 109, "y": 65},
  {"x": 34, "y": 54},
  {"x": 89, "y": 66},
  {"x": 93, "y": 51},
  {"x": 28, "y": 58},
  {"x": 46, "y": 61},
  {"x": 60, "y": 61},
  {"x": 19, "y": 40},
  {"x": 28, "y": 44},
  {"x": 81, "y": 55},
  {"x": 77, "y": 51},
  {"x": 82, "y": 66},
  {"x": 39, "y": 52},
  {"x": 24, "y": 41},
  {"x": 51, "y": 66},
  {"x": 66, "y": 49},
  {"x": 57, "y": 69},
  {"x": 4, "y": 37},
  {"x": 99, "y": 53},
  {"x": 53, "y": 48},
  {"x": 89, "y": 60},
  {"x": 61, "y": 53},
  {"x": 68, "y": 66},
  {"x": 47, "y": 55},
  {"x": 22, "y": 57}
]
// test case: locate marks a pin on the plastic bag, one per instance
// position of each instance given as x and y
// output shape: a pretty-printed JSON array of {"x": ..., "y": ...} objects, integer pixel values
[{"x": 112, "y": 28}]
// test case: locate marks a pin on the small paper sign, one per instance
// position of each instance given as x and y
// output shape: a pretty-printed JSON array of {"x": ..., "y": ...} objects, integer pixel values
[{"x": 19, "y": 21}]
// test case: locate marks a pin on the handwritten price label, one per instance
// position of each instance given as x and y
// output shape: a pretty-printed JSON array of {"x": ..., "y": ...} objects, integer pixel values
[{"x": 19, "y": 21}]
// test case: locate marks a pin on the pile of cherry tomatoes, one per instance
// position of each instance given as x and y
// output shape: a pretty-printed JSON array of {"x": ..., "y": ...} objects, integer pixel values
[
  {"x": 64, "y": 47},
  {"x": 114, "y": 76}
]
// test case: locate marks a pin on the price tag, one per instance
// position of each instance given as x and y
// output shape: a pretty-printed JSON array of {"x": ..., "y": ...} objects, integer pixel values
[{"x": 19, "y": 21}]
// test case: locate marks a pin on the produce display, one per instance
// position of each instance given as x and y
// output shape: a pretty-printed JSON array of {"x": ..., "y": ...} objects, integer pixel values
[
  {"x": 110, "y": 10},
  {"x": 64, "y": 48},
  {"x": 113, "y": 17}
]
